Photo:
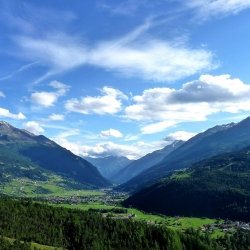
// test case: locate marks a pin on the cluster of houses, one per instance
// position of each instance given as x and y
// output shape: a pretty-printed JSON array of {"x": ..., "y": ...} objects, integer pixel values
[{"x": 227, "y": 226}]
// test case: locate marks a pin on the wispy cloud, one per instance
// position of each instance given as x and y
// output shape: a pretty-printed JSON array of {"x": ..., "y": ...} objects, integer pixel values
[
  {"x": 131, "y": 137},
  {"x": 23, "y": 68},
  {"x": 68, "y": 133},
  {"x": 193, "y": 102},
  {"x": 56, "y": 117},
  {"x": 128, "y": 7},
  {"x": 130, "y": 56},
  {"x": 2, "y": 94},
  {"x": 206, "y": 9},
  {"x": 30, "y": 19}
]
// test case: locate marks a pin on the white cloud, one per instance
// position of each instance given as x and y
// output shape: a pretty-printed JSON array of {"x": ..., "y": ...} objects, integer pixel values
[
  {"x": 62, "y": 88},
  {"x": 56, "y": 117},
  {"x": 101, "y": 149},
  {"x": 134, "y": 151},
  {"x": 33, "y": 127},
  {"x": 2, "y": 94},
  {"x": 179, "y": 135},
  {"x": 196, "y": 100},
  {"x": 59, "y": 52},
  {"x": 107, "y": 103},
  {"x": 155, "y": 60},
  {"x": 131, "y": 137},
  {"x": 48, "y": 99},
  {"x": 6, "y": 113},
  {"x": 110, "y": 133},
  {"x": 209, "y": 8},
  {"x": 157, "y": 127},
  {"x": 130, "y": 55}
]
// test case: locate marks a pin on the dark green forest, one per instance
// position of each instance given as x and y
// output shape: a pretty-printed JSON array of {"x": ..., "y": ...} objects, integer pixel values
[
  {"x": 215, "y": 187},
  {"x": 28, "y": 221}
]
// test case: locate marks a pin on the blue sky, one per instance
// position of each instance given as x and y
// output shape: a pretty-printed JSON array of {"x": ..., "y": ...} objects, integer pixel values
[{"x": 123, "y": 77}]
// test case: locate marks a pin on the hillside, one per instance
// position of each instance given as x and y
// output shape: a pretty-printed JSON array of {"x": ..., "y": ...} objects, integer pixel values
[
  {"x": 218, "y": 187},
  {"x": 65, "y": 228},
  {"x": 144, "y": 163},
  {"x": 25, "y": 155},
  {"x": 109, "y": 165},
  {"x": 214, "y": 141}
]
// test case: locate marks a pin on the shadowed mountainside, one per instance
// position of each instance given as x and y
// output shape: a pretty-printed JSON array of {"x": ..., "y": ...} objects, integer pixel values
[
  {"x": 214, "y": 141},
  {"x": 144, "y": 163},
  {"x": 23, "y": 154}
]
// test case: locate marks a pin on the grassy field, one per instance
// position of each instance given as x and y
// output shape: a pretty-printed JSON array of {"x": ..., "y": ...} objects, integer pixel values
[
  {"x": 27, "y": 188},
  {"x": 33, "y": 245}
]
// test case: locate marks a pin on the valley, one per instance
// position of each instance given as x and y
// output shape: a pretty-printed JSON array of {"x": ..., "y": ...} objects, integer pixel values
[
  {"x": 198, "y": 188},
  {"x": 107, "y": 202}
]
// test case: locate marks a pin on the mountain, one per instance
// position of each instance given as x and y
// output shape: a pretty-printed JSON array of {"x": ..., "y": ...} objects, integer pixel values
[
  {"x": 218, "y": 187},
  {"x": 144, "y": 163},
  {"x": 23, "y": 154},
  {"x": 109, "y": 165},
  {"x": 214, "y": 141}
]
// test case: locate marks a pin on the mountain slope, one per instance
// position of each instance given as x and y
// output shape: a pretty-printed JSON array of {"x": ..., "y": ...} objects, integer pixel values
[
  {"x": 23, "y": 154},
  {"x": 109, "y": 165},
  {"x": 215, "y": 187},
  {"x": 218, "y": 140},
  {"x": 144, "y": 163}
]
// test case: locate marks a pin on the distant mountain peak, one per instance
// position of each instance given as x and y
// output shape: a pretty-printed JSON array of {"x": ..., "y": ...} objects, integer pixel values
[{"x": 3, "y": 123}]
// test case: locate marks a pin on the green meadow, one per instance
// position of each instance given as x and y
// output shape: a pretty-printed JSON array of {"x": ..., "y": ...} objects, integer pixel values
[{"x": 35, "y": 245}]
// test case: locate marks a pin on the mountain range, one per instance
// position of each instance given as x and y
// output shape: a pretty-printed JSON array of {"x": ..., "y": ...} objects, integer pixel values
[
  {"x": 218, "y": 187},
  {"x": 25, "y": 155},
  {"x": 214, "y": 141},
  {"x": 109, "y": 165},
  {"x": 144, "y": 163}
]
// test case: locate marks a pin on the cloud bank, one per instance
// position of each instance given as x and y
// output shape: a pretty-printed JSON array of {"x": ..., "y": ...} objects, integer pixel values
[{"x": 196, "y": 100}]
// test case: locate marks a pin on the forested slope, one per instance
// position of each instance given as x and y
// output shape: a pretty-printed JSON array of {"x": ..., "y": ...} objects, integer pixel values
[
  {"x": 80, "y": 230},
  {"x": 215, "y": 141},
  {"x": 215, "y": 187}
]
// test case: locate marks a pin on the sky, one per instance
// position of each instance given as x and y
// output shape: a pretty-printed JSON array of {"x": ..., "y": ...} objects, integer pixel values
[{"x": 123, "y": 78}]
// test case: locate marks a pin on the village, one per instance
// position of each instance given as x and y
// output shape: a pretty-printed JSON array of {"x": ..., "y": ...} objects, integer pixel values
[
  {"x": 107, "y": 202},
  {"x": 227, "y": 226}
]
